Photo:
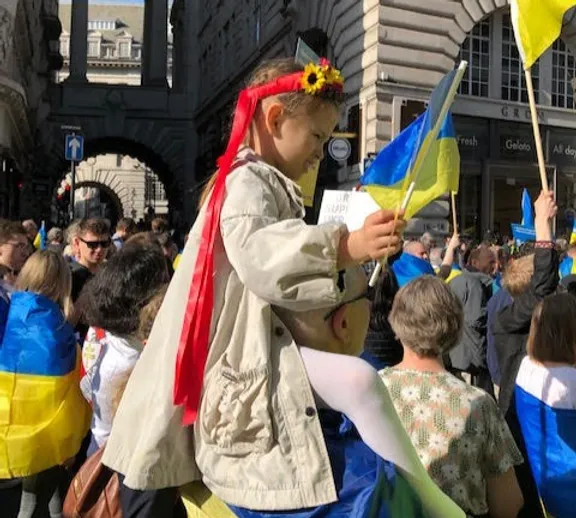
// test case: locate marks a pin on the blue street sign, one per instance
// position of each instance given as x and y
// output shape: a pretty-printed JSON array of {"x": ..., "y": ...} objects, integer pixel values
[{"x": 74, "y": 148}]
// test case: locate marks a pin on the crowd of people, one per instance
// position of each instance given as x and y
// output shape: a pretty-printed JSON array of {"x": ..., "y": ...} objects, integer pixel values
[{"x": 257, "y": 374}]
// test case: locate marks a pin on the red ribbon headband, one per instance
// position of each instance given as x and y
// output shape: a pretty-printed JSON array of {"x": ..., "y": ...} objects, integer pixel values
[{"x": 194, "y": 339}]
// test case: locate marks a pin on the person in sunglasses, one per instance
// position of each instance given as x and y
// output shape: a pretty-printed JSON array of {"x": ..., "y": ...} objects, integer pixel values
[{"x": 92, "y": 243}]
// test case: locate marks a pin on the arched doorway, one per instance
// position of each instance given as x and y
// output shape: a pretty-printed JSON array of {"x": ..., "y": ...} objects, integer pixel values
[{"x": 118, "y": 178}]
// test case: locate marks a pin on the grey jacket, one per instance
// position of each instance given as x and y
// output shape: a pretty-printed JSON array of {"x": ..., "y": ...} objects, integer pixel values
[
  {"x": 474, "y": 289},
  {"x": 257, "y": 442}
]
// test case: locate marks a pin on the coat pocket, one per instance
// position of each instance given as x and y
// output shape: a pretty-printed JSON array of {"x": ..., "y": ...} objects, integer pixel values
[{"x": 236, "y": 411}]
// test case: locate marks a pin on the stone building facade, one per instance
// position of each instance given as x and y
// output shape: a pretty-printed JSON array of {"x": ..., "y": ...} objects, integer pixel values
[
  {"x": 29, "y": 32},
  {"x": 115, "y": 37},
  {"x": 392, "y": 53}
]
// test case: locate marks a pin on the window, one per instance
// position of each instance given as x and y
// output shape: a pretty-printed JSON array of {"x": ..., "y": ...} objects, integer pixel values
[
  {"x": 513, "y": 82},
  {"x": 563, "y": 72},
  {"x": 93, "y": 49},
  {"x": 476, "y": 51},
  {"x": 124, "y": 49}
]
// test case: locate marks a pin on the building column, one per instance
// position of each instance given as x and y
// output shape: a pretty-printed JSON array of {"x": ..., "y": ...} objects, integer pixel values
[
  {"x": 79, "y": 41},
  {"x": 155, "y": 52}
]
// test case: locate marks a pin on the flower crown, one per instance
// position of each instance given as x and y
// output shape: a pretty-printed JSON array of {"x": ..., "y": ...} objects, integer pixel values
[{"x": 318, "y": 78}]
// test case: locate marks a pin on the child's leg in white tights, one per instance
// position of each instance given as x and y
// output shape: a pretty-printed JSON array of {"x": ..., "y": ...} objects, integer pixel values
[{"x": 350, "y": 385}]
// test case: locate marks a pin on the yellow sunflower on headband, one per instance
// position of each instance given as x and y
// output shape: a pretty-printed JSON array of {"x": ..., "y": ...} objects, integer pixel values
[{"x": 313, "y": 79}]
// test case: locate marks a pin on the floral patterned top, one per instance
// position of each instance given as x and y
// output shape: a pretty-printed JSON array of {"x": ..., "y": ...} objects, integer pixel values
[{"x": 458, "y": 431}]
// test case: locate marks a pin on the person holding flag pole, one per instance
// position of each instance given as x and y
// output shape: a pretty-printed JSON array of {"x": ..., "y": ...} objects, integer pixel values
[{"x": 537, "y": 25}]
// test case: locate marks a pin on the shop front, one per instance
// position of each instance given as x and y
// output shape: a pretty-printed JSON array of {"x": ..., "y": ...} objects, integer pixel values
[{"x": 499, "y": 161}]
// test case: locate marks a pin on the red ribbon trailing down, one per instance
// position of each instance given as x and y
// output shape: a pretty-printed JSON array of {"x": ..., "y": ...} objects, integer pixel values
[{"x": 193, "y": 347}]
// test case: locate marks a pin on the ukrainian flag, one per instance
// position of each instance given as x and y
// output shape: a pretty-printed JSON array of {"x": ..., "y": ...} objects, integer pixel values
[
  {"x": 43, "y": 416},
  {"x": 412, "y": 156},
  {"x": 537, "y": 25},
  {"x": 40, "y": 239},
  {"x": 567, "y": 267},
  {"x": 573, "y": 234},
  {"x": 409, "y": 267},
  {"x": 550, "y": 438}
]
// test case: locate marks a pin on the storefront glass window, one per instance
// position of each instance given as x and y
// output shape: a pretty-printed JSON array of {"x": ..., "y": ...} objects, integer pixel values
[
  {"x": 476, "y": 51},
  {"x": 513, "y": 82},
  {"x": 563, "y": 71}
]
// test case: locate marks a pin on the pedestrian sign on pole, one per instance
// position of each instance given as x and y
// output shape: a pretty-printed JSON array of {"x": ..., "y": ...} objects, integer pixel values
[{"x": 74, "y": 148}]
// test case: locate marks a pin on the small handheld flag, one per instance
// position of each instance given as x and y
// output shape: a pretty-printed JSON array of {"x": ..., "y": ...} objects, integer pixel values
[
  {"x": 423, "y": 162},
  {"x": 525, "y": 231}
]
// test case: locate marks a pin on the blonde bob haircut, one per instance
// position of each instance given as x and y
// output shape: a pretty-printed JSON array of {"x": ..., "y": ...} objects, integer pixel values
[
  {"x": 427, "y": 317},
  {"x": 47, "y": 273}
]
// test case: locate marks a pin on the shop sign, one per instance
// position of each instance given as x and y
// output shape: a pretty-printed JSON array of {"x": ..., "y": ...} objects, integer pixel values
[
  {"x": 472, "y": 135},
  {"x": 517, "y": 142},
  {"x": 562, "y": 149},
  {"x": 519, "y": 113}
]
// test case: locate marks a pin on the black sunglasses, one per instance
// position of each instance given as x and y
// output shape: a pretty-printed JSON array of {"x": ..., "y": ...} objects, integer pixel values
[
  {"x": 366, "y": 295},
  {"x": 93, "y": 245}
]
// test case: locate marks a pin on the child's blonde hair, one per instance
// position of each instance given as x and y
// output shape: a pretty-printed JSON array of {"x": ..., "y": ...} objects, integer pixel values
[
  {"x": 47, "y": 273},
  {"x": 269, "y": 71}
]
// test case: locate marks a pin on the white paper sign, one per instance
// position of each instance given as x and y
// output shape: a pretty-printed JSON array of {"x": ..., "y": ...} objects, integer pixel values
[
  {"x": 334, "y": 207},
  {"x": 360, "y": 206}
]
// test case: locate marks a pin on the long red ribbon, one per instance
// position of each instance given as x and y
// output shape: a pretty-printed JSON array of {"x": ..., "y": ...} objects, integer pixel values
[{"x": 193, "y": 347}]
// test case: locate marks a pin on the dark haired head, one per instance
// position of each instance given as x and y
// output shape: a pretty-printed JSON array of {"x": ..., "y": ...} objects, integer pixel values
[
  {"x": 125, "y": 284},
  {"x": 97, "y": 226}
]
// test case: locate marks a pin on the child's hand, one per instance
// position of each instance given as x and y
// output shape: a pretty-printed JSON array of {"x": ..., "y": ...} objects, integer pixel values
[{"x": 379, "y": 237}]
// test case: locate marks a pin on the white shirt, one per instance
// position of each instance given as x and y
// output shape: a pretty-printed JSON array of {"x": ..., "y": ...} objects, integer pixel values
[
  {"x": 108, "y": 363},
  {"x": 555, "y": 386}
]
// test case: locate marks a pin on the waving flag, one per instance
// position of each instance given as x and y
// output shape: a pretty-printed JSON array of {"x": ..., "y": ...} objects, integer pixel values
[
  {"x": 550, "y": 436},
  {"x": 525, "y": 231},
  {"x": 43, "y": 416},
  {"x": 427, "y": 148},
  {"x": 537, "y": 24}
]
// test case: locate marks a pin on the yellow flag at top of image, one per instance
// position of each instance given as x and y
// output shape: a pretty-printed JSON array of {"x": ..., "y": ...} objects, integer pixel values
[{"x": 537, "y": 25}]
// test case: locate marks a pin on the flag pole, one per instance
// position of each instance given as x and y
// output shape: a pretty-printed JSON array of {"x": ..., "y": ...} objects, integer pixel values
[
  {"x": 454, "y": 217},
  {"x": 419, "y": 163},
  {"x": 536, "y": 129}
]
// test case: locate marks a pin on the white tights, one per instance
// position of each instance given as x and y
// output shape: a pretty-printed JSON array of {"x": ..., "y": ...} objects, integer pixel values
[{"x": 351, "y": 386}]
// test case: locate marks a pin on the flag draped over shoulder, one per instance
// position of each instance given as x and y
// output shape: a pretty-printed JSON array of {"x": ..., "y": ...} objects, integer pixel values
[
  {"x": 409, "y": 267},
  {"x": 550, "y": 437},
  {"x": 43, "y": 416},
  {"x": 427, "y": 148},
  {"x": 537, "y": 25},
  {"x": 567, "y": 267}
]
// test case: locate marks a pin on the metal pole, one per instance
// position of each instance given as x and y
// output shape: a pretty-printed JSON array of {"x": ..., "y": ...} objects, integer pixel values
[{"x": 72, "y": 189}]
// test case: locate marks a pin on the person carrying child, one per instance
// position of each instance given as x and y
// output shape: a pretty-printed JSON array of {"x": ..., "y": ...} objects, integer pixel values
[{"x": 257, "y": 439}]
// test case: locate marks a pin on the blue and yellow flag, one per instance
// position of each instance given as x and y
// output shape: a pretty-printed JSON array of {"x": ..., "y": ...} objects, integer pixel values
[
  {"x": 409, "y": 267},
  {"x": 40, "y": 239},
  {"x": 567, "y": 267},
  {"x": 43, "y": 416},
  {"x": 573, "y": 233},
  {"x": 550, "y": 438},
  {"x": 537, "y": 25},
  {"x": 412, "y": 156}
]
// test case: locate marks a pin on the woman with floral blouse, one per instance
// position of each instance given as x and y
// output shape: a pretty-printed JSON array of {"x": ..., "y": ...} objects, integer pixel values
[{"x": 457, "y": 429}]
